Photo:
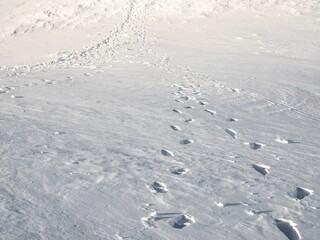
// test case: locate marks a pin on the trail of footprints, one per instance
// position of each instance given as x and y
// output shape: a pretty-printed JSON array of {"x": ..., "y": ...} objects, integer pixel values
[{"x": 182, "y": 220}]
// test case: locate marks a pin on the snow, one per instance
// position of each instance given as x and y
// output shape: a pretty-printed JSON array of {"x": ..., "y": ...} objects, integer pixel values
[{"x": 177, "y": 119}]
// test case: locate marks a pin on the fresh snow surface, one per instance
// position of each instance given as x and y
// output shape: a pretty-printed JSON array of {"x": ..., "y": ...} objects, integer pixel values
[{"x": 169, "y": 119}]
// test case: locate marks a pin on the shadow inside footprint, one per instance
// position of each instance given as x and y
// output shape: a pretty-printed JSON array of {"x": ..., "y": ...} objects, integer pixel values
[
  {"x": 256, "y": 146},
  {"x": 263, "y": 169},
  {"x": 180, "y": 171},
  {"x": 160, "y": 187},
  {"x": 187, "y": 141},
  {"x": 288, "y": 228},
  {"x": 301, "y": 193},
  {"x": 183, "y": 221}
]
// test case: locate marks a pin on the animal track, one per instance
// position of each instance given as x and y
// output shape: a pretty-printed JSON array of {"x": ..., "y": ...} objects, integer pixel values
[
  {"x": 288, "y": 228},
  {"x": 167, "y": 153},
  {"x": 176, "y": 128},
  {"x": 261, "y": 168},
  {"x": 183, "y": 221},
  {"x": 160, "y": 187},
  {"x": 180, "y": 171},
  {"x": 231, "y": 132},
  {"x": 301, "y": 193},
  {"x": 187, "y": 141}
]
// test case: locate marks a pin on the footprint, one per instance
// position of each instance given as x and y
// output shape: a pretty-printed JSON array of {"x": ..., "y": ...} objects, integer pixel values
[
  {"x": 148, "y": 221},
  {"x": 222, "y": 205},
  {"x": 154, "y": 216},
  {"x": 188, "y": 107},
  {"x": 231, "y": 132},
  {"x": 48, "y": 82},
  {"x": 187, "y": 141},
  {"x": 236, "y": 90},
  {"x": 285, "y": 141},
  {"x": 203, "y": 103},
  {"x": 187, "y": 98},
  {"x": 59, "y": 133},
  {"x": 232, "y": 120},
  {"x": 190, "y": 120},
  {"x": 211, "y": 112},
  {"x": 288, "y": 228},
  {"x": 176, "y": 111},
  {"x": 256, "y": 146},
  {"x": 301, "y": 193},
  {"x": 4, "y": 90},
  {"x": 176, "y": 128},
  {"x": 167, "y": 153},
  {"x": 183, "y": 221},
  {"x": 15, "y": 96},
  {"x": 180, "y": 171},
  {"x": 160, "y": 187},
  {"x": 256, "y": 212},
  {"x": 179, "y": 101},
  {"x": 261, "y": 168}
]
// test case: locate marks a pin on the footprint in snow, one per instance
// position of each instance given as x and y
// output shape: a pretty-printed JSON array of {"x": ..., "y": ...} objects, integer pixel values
[
  {"x": 286, "y": 141},
  {"x": 190, "y": 120},
  {"x": 183, "y": 221},
  {"x": 187, "y": 141},
  {"x": 256, "y": 146},
  {"x": 232, "y": 120},
  {"x": 176, "y": 128},
  {"x": 203, "y": 103},
  {"x": 179, "y": 101},
  {"x": 159, "y": 187},
  {"x": 301, "y": 193},
  {"x": 4, "y": 90},
  {"x": 47, "y": 81},
  {"x": 288, "y": 228},
  {"x": 180, "y": 171},
  {"x": 231, "y": 132},
  {"x": 257, "y": 212},
  {"x": 15, "y": 96},
  {"x": 188, "y": 98},
  {"x": 223, "y": 205},
  {"x": 261, "y": 168},
  {"x": 236, "y": 90},
  {"x": 211, "y": 112},
  {"x": 188, "y": 107},
  {"x": 167, "y": 153},
  {"x": 177, "y": 111}
]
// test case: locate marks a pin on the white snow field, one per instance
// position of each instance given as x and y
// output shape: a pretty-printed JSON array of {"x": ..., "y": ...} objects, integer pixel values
[{"x": 143, "y": 119}]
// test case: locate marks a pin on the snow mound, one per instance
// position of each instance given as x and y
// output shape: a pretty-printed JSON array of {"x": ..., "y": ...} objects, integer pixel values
[
  {"x": 196, "y": 8},
  {"x": 28, "y": 16}
]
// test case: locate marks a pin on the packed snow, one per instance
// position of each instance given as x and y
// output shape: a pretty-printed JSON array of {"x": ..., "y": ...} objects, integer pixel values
[{"x": 169, "y": 119}]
